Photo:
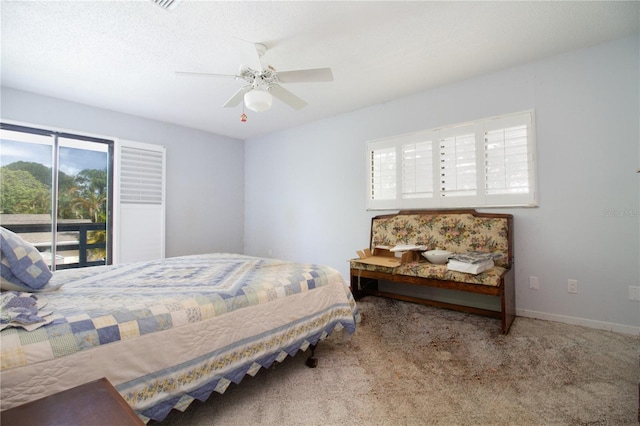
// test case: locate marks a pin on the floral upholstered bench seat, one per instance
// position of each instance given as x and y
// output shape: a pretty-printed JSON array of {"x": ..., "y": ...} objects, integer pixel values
[
  {"x": 457, "y": 231},
  {"x": 424, "y": 269}
]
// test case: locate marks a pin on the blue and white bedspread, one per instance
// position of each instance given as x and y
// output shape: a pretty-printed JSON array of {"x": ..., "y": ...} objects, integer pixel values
[{"x": 167, "y": 331}]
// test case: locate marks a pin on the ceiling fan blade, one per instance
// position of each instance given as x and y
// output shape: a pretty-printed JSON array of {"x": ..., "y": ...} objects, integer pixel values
[
  {"x": 306, "y": 76},
  {"x": 237, "y": 97},
  {"x": 287, "y": 97},
  {"x": 205, "y": 74},
  {"x": 250, "y": 53}
]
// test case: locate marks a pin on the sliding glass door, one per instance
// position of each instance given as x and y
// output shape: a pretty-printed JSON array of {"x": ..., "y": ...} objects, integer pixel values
[{"x": 56, "y": 191}]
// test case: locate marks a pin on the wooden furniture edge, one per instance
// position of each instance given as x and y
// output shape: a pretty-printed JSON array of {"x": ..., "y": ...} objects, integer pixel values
[
  {"x": 508, "y": 300},
  {"x": 89, "y": 403},
  {"x": 506, "y": 292},
  {"x": 431, "y": 282}
]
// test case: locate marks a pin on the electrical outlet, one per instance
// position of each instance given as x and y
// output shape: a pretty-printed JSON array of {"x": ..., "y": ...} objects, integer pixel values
[
  {"x": 634, "y": 293},
  {"x": 572, "y": 286},
  {"x": 534, "y": 283}
]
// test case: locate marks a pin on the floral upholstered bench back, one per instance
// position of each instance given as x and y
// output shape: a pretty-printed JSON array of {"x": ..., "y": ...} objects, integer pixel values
[{"x": 458, "y": 233}]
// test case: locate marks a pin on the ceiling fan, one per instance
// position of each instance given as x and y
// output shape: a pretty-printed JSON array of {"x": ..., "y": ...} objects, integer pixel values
[{"x": 264, "y": 83}]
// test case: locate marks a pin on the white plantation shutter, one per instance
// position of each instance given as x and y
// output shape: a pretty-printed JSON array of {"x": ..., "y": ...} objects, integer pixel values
[
  {"x": 506, "y": 165},
  {"x": 139, "y": 194},
  {"x": 400, "y": 171},
  {"x": 509, "y": 162},
  {"x": 382, "y": 174},
  {"x": 458, "y": 166},
  {"x": 417, "y": 170},
  {"x": 485, "y": 163},
  {"x": 141, "y": 176}
]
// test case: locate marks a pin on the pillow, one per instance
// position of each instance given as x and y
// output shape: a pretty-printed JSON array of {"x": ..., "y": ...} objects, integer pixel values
[{"x": 22, "y": 264}]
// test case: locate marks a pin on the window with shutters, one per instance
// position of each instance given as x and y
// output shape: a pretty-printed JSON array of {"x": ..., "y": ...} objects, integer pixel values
[
  {"x": 484, "y": 163},
  {"x": 82, "y": 200}
]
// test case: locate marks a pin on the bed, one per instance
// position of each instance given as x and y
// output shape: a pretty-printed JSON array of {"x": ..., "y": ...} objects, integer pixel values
[{"x": 169, "y": 331}]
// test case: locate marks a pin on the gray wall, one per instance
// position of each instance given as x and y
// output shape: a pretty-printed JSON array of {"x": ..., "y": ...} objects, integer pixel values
[
  {"x": 205, "y": 172},
  {"x": 305, "y": 187}
]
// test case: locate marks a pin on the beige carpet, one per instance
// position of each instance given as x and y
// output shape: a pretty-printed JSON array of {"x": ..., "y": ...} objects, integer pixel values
[{"x": 410, "y": 365}]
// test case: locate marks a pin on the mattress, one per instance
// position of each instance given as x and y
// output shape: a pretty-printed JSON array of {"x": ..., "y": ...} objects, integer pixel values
[{"x": 169, "y": 331}]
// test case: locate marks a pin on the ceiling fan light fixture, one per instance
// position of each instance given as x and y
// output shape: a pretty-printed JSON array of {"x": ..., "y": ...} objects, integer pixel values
[{"x": 258, "y": 100}]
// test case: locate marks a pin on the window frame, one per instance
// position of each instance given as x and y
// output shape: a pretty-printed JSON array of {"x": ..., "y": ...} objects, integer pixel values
[
  {"x": 481, "y": 198},
  {"x": 61, "y": 139}
]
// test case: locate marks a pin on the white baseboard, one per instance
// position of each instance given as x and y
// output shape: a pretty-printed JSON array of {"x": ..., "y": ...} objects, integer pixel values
[{"x": 599, "y": 325}]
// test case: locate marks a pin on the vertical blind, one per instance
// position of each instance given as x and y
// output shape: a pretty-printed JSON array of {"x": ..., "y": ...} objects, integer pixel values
[{"x": 488, "y": 162}]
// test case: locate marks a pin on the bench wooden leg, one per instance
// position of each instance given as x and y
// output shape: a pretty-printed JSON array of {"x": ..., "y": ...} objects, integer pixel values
[
  {"x": 358, "y": 283},
  {"x": 508, "y": 302},
  {"x": 355, "y": 288}
]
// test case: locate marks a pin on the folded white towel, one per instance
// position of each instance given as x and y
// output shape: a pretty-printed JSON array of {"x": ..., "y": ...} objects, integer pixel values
[{"x": 469, "y": 268}]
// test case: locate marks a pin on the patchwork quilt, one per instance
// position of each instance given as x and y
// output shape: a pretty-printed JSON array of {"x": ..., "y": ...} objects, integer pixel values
[{"x": 167, "y": 331}]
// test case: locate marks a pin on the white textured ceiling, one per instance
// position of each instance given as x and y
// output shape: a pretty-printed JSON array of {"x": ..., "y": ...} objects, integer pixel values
[{"x": 121, "y": 55}]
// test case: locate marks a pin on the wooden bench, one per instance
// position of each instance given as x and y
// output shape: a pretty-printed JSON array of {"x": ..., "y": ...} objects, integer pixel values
[{"x": 458, "y": 231}]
